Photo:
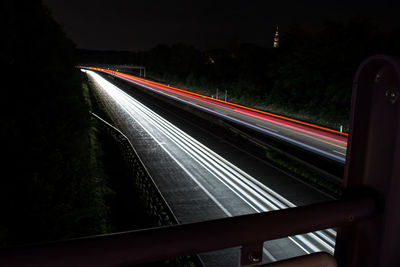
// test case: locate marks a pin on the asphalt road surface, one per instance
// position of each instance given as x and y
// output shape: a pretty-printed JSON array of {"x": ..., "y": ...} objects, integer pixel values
[{"x": 200, "y": 183}]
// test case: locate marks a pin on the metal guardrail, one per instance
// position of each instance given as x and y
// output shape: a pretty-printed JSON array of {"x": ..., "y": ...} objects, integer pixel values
[
  {"x": 154, "y": 200},
  {"x": 367, "y": 217},
  {"x": 156, "y": 205}
]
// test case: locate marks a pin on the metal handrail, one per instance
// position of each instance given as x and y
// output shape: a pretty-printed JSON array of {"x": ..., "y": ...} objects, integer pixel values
[{"x": 155, "y": 244}]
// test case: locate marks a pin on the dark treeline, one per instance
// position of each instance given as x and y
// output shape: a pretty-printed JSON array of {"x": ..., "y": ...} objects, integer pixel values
[
  {"x": 313, "y": 70},
  {"x": 309, "y": 76},
  {"x": 50, "y": 186}
]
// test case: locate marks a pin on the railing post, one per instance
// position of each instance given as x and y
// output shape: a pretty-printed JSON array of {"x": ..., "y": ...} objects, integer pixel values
[
  {"x": 373, "y": 160},
  {"x": 251, "y": 255}
]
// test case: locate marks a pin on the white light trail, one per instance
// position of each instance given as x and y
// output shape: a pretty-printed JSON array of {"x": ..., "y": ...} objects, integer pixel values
[{"x": 255, "y": 194}]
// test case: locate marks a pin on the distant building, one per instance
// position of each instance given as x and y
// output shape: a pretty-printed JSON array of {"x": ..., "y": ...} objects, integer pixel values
[{"x": 276, "y": 38}]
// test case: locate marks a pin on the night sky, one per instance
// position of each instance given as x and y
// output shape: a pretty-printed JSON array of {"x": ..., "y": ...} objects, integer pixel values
[{"x": 141, "y": 25}]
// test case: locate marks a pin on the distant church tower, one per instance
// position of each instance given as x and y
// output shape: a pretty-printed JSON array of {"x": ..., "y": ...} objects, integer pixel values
[{"x": 276, "y": 38}]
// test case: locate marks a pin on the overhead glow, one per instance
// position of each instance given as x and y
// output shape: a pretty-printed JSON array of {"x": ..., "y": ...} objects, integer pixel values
[{"x": 255, "y": 194}]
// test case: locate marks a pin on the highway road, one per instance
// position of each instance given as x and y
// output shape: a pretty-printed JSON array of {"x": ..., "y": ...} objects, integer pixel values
[
  {"x": 200, "y": 184},
  {"x": 325, "y": 142}
]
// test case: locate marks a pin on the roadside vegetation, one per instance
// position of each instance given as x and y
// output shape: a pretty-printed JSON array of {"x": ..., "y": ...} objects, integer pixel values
[
  {"x": 62, "y": 176},
  {"x": 51, "y": 186}
]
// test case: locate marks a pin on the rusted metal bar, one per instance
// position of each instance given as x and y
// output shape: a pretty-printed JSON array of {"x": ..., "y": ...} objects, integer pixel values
[
  {"x": 187, "y": 239},
  {"x": 373, "y": 161},
  {"x": 319, "y": 259}
]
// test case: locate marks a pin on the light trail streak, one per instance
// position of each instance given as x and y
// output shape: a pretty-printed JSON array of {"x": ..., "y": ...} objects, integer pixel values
[
  {"x": 252, "y": 192},
  {"x": 217, "y": 100},
  {"x": 282, "y": 124}
]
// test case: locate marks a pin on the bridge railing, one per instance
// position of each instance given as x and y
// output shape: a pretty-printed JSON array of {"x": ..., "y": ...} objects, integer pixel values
[
  {"x": 367, "y": 217},
  {"x": 248, "y": 231}
]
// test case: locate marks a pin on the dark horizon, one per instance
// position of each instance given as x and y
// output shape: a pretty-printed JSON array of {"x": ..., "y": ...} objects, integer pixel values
[{"x": 141, "y": 26}]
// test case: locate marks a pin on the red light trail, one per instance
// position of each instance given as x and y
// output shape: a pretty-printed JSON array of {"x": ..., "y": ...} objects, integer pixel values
[{"x": 324, "y": 141}]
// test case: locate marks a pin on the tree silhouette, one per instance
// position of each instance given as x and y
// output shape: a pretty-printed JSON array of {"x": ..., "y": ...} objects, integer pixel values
[{"x": 50, "y": 190}]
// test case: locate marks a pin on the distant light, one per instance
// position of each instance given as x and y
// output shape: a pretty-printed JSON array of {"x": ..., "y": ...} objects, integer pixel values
[{"x": 276, "y": 38}]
